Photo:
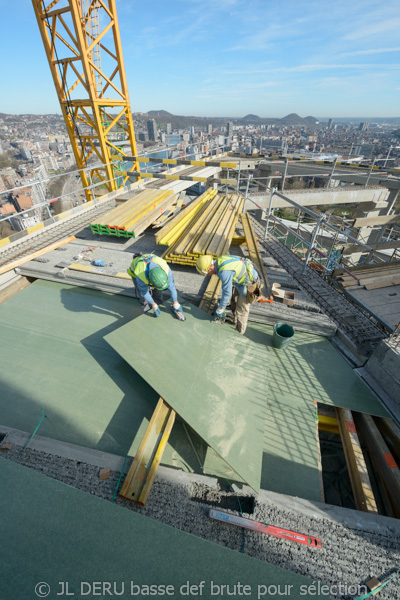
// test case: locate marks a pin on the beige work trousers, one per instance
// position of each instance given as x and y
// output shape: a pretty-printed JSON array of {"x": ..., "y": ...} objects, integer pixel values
[{"x": 241, "y": 307}]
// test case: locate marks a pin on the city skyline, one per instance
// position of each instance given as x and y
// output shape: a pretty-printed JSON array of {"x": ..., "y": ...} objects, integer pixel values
[{"x": 229, "y": 59}]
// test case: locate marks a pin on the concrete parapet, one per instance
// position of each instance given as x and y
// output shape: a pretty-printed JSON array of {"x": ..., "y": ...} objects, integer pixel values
[
  {"x": 384, "y": 367},
  {"x": 321, "y": 196}
]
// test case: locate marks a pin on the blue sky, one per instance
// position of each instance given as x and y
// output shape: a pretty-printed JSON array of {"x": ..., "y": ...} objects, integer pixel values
[{"x": 229, "y": 57}]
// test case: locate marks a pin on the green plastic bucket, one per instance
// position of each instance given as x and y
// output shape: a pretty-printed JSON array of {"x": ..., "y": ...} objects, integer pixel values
[{"x": 282, "y": 335}]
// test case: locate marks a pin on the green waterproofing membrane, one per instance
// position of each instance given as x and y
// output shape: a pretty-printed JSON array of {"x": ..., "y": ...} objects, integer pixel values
[
  {"x": 54, "y": 536},
  {"x": 214, "y": 378},
  {"x": 308, "y": 370},
  {"x": 53, "y": 355}
]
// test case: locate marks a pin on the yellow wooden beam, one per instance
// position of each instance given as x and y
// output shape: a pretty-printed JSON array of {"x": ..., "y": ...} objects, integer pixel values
[
  {"x": 254, "y": 253},
  {"x": 357, "y": 468},
  {"x": 383, "y": 460},
  {"x": 20, "y": 261},
  {"x": 328, "y": 424},
  {"x": 140, "y": 478}
]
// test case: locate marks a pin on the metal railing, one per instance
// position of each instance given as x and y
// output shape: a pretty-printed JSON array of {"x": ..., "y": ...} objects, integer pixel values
[{"x": 394, "y": 338}]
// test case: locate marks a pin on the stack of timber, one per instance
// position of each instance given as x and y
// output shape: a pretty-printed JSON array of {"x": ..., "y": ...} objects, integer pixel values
[
  {"x": 207, "y": 226},
  {"x": 168, "y": 215},
  {"x": 136, "y": 214},
  {"x": 371, "y": 278}
]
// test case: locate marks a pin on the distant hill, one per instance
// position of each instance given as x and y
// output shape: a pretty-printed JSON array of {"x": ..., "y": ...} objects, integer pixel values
[
  {"x": 311, "y": 120},
  {"x": 163, "y": 117},
  {"x": 159, "y": 114}
]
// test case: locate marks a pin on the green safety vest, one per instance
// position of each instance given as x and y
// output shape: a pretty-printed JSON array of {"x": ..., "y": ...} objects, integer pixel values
[
  {"x": 139, "y": 265},
  {"x": 243, "y": 268}
]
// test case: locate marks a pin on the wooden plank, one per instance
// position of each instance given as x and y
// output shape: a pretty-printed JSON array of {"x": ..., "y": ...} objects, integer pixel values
[
  {"x": 146, "y": 220},
  {"x": 223, "y": 230},
  {"x": 225, "y": 243},
  {"x": 97, "y": 271},
  {"x": 254, "y": 252},
  {"x": 382, "y": 284},
  {"x": 209, "y": 229},
  {"x": 140, "y": 477},
  {"x": 382, "y": 458},
  {"x": 391, "y": 435},
  {"x": 194, "y": 233},
  {"x": 357, "y": 468},
  {"x": 25, "y": 259},
  {"x": 13, "y": 289},
  {"x": 182, "y": 215},
  {"x": 211, "y": 294}
]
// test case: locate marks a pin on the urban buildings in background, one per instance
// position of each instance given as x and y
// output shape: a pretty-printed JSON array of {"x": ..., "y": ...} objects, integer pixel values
[
  {"x": 34, "y": 148},
  {"x": 152, "y": 131}
]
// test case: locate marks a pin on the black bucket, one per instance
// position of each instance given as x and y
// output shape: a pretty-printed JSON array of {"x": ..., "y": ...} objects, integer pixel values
[{"x": 282, "y": 335}]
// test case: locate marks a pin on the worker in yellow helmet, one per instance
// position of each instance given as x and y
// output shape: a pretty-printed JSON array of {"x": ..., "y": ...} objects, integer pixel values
[
  {"x": 151, "y": 275},
  {"x": 237, "y": 275}
]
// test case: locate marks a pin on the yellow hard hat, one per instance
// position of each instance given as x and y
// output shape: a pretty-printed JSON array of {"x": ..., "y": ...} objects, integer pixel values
[{"x": 203, "y": 263}]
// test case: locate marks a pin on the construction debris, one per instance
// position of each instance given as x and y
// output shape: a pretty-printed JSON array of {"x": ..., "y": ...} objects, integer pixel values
[{"x": 104, "y": 474}]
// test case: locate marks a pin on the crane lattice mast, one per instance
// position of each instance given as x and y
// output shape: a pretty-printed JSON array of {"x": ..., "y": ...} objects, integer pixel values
[{"x": 83, "y": 48}]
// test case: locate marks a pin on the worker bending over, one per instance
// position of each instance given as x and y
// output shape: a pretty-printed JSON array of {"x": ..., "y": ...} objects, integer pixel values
[
  {"x": 237, "y": 275},
  {"x": 151, "y": 275}
]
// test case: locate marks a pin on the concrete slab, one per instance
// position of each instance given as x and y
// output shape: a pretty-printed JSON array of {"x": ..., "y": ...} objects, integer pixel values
[
  {"x": 50, "y": 532},
  {"x": 385, "y": 302}
]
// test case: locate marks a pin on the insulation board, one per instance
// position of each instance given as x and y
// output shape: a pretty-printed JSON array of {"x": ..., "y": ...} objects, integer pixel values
[
  {"x": 214, "y": 378},
  {"x": 53, "y": 533}
]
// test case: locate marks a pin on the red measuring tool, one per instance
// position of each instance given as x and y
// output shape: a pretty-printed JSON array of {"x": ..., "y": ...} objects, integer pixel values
[{"x": 293, "y": 536}]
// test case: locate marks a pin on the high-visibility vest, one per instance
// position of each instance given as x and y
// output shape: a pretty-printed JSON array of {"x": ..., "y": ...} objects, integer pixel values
[
  {"x": 243, "y": 268},
  {"x": 140, "y": 264}
]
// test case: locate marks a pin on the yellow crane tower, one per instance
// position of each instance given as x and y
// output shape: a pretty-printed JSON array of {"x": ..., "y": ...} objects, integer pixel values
[{"x": 83, "y": 47}]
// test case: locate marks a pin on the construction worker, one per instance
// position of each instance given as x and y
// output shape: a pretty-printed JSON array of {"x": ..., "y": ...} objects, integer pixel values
[
  {"x": 238, "y": 275},
  {"x": 151, "y": 275}
]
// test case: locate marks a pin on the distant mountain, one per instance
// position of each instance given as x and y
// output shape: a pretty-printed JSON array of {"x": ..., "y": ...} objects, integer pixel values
[
  {"x": 292, "y": 119},
  {"x": 311, "y": 120},
  {"x": 182, "y": 122},
  {"x": 159, "y": 114}
]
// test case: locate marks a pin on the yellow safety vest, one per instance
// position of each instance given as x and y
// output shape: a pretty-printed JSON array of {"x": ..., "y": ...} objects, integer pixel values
[
  {"x": 139, "y": 265},
  {"x": 243, "y": 268}
]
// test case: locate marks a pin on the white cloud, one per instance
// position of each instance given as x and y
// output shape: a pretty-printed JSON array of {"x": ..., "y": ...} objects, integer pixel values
[
  {"x": 370, "y": 51},
  {"x": 374, "y": 29}
]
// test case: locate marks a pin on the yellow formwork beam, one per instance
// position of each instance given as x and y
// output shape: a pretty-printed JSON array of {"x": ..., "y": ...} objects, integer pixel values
[
  {"x": 356, "y": 466},
  {"x": 170, "y": 233},
  {"x": 328, "y": 424},
  {"x": 140, "y": 477}
]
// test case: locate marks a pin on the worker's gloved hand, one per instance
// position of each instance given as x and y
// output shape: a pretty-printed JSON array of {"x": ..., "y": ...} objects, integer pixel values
[
  {"x": 178, "y": 311},
  {"x": 156, "y": 310}
]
